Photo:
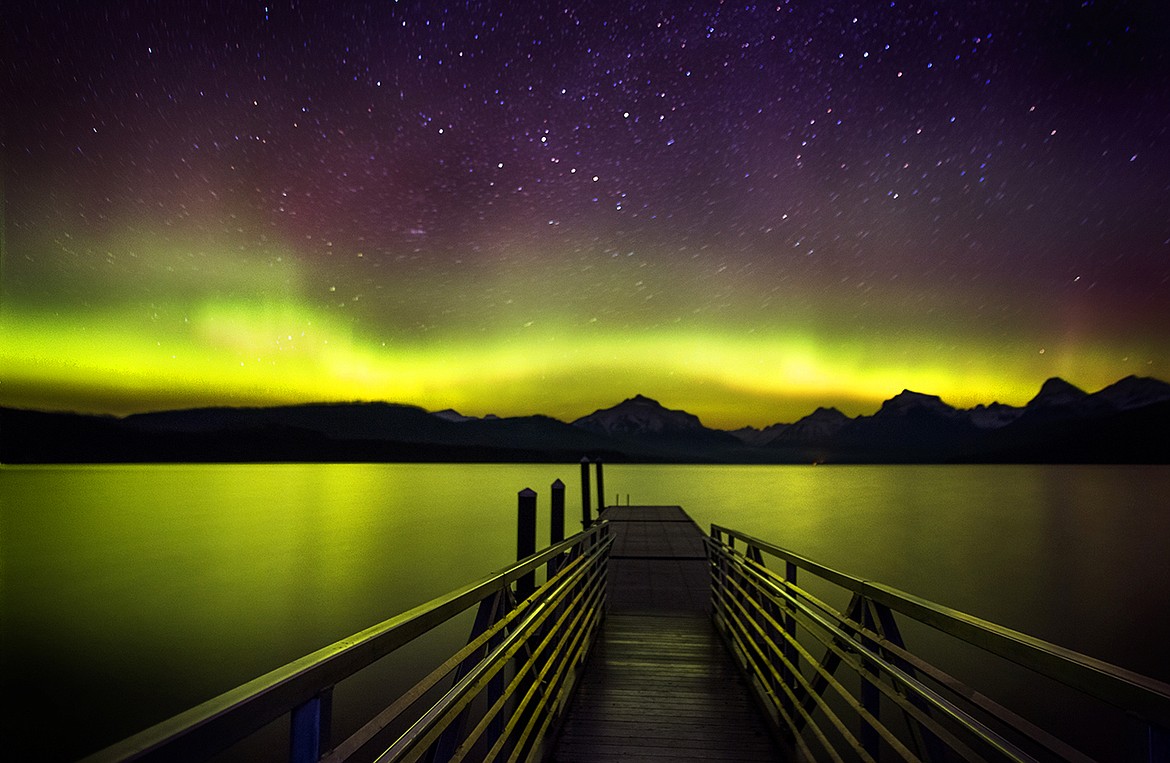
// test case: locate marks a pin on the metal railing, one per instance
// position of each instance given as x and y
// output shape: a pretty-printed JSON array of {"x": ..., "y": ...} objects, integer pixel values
[
  {"x": 866, "y": 696},
  {"x": 499, "y": 695}
]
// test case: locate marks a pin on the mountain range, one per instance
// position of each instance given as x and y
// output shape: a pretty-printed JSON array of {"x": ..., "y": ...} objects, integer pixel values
[{"x": 1126, "y": 422}]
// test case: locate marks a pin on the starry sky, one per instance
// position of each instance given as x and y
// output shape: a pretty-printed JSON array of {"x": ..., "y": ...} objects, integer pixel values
[{"x": 742, "y": 209}]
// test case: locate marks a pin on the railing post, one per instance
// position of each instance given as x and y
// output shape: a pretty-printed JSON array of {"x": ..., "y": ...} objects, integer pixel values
[
  {"x": 760, "y": 608},
  {"x": 1146, "y": 741},
  {"x": 1157, "y": 744},
  {"x": 870, "y": 694},
  {"x": 718, "y": 573},
  {"x": 586, "y": 512},
  {"x": 489, "y": 611},
  {"x": 525, "y": 539},
  {"x": 600, "y": 488},
  {"x": 309, "y": 728},
  {"x": 790, "y": 624}
]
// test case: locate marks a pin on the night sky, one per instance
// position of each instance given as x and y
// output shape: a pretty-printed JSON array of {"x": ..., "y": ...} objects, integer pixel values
[{"x": 741, "y": 209}]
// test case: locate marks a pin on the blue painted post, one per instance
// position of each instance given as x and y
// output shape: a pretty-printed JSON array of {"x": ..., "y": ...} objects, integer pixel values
[
  {"x": 1159, "y": 744},
  {"x": 1148, "y": 741},
  {"x": 309, "y": 728},
  {"x": 526, "y": 539},
  {"x": 586, "y": 512}
]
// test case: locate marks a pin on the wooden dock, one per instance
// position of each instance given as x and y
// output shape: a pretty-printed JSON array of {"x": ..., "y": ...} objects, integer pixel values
[{"x": 660, "y": 684}]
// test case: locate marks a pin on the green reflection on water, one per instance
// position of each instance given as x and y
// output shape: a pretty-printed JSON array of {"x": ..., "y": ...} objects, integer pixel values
[{"x": 130, "y": 593}]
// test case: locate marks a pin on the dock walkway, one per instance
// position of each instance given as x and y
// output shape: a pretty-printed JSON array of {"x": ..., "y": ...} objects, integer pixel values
[{"x": 659, "y": 684}]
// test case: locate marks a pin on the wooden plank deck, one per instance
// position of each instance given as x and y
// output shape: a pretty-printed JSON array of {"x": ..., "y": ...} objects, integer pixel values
[{"x": 659, "y": 684}]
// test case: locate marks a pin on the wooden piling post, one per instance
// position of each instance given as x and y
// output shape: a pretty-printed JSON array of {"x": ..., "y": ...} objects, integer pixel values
[
  {"x": 586, "y": 512},
  {"x": 525, "y": 539},
  {"x": 600, "y": 488},
  {"x": 556, "y": 525}
]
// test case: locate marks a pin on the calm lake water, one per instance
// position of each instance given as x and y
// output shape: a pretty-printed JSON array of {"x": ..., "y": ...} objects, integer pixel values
[{"x": 130, "y": 593}]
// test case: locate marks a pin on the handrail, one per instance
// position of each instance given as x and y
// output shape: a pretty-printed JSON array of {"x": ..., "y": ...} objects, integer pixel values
[
  {"x": 216, "y": 724},
  {"x": 365, "y": 736},
  {"x": 842, "y": 634},
  {"x": 455, "y": 699},
  {"x": 1122, "y": 688},
  {"x": 1125, "y": 689},
  {"x": 765, "y": 616}
]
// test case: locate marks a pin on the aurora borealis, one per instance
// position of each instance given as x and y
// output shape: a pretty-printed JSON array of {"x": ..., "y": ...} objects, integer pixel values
[{"x": 742, "y": 209}]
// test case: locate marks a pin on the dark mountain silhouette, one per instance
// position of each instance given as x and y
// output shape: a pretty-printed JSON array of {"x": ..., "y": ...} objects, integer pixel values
[
  {"x": 644, "y": 427},
  {"x": 813, "y": 429},
  {"x": 808, "y": 440},
  {"x": 640, "y": 416},
  {"x": 910, "y": 427},
  {"x": 993, "y": 416},
  {"x": 450, "y": 414},
  {"x": 316, "y": 432},
  {"x": 1126, "y": 422},
  {"x": 1134, "y": 392},
  {"x": 1057, "y": 393},
  {"x": 363, "y": 421},
  {"x": 758, "y": 437},
  {"x": 818, "y": 426}
]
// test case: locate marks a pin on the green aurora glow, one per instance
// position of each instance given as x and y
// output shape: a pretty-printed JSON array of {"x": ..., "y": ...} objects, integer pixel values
[{"x": 226, "y": 329}]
